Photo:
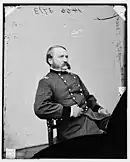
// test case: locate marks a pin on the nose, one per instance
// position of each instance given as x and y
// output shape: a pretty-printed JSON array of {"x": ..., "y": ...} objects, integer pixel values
[{"x": 65, "y": 59}]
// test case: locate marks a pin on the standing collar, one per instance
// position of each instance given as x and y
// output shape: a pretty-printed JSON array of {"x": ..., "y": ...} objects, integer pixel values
[{"x": 59, "y": 71}]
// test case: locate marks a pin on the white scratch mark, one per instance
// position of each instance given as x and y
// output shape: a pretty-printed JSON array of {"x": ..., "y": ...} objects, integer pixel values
[
  {"x": 76, "y": 32},
  {"x": 120, "y": 11},
  {"x": 9, "y": 10}
]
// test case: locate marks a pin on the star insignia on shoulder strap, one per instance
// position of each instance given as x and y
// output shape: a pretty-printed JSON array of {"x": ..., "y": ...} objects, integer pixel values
[{"x": 46, "y": 77}]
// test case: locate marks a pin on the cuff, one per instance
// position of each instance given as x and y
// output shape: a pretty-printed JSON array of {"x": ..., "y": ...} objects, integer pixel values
[
  {"x": 71, "y": 113},
  {"x": 66, "y": 112}
]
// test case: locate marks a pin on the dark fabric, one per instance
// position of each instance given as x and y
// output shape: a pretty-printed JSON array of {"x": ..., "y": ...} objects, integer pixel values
[
  {"x": 56, "y": 93},
  {"x": 100, "y": 119},
  {"x": 44, "y": 107},
  {"x": 77, "y": 127},
  {"x": 96, "y": 108},
  {"x": 95, "y": 115},
  {"x": 103, "y": 124},
  {"x": 112, "y": 145},
  {"x": 66, "y": 112}
]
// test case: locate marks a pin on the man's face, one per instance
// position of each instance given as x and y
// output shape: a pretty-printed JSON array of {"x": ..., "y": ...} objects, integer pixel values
[{"x": 60, "y": 59}]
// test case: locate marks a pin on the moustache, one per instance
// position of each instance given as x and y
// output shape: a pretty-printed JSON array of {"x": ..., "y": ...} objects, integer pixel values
[{"x": 67, "y": 64}]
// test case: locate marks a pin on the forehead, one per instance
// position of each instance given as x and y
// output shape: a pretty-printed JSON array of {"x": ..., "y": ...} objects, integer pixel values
[{"x": 59, "y": 51}]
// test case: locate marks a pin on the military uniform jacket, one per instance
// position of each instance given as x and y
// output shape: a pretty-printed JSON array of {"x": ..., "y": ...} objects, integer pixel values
[{"x": 55, "y": 95}]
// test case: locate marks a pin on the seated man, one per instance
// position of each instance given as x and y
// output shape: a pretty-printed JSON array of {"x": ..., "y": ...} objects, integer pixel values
[
  {"x": 112, "y": 145},
  {"x": 62, "y": 95}
]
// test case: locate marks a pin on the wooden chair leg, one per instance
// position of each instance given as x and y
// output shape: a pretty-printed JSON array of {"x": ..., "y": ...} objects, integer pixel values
[
  {"x": 50, "y": 131},
  {"x": 50, "y": 136}
]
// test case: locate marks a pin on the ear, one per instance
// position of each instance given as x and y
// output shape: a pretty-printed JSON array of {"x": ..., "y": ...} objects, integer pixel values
[{"x": 50, "y": 61}]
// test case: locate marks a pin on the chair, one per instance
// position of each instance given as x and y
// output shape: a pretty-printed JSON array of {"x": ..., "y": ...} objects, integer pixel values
[{"x": 51, "y": 125}]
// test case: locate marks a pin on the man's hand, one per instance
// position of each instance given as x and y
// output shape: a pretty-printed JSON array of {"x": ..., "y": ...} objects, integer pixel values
[
  {"x": 76, "y": 111},
  {"x": 103, "y": 110}
]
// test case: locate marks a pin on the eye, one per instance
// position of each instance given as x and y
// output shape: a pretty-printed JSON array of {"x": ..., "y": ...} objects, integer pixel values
[
  {"x": 66, "y": 56},
  {"x": 61, "y": 56}
]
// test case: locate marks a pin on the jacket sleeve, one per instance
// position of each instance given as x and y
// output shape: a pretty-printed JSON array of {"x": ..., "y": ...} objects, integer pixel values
[
  {"x": 91, "y": 100},
  {"x": 44, "y": 108}
]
